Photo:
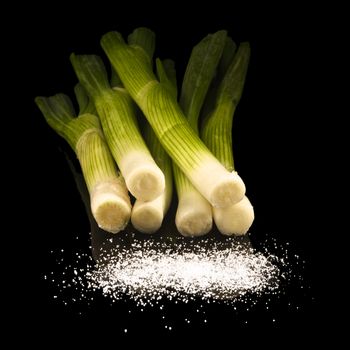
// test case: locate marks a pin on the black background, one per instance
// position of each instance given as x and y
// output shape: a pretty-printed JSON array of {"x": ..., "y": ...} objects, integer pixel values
[{"x": 275, "y": 137}]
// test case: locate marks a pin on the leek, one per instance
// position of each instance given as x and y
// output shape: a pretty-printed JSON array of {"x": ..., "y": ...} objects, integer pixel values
[
  {"x": 216, "y": 132},
  {"x": 219, "y": 186},
  {"x": 109, "y": 200},
  {"x": 194, "y": 213},
  {"x": 116, "y": 110}
]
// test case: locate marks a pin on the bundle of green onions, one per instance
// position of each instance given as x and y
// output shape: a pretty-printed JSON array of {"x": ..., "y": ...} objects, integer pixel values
[{"x": 152, "y": 136}]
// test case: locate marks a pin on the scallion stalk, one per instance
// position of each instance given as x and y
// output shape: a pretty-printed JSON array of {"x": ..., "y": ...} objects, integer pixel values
[
  {"x": 116, "y": 111},
  {"x": 194, "y": 213},
  {"x": 109, "y": 199},
  {"x": 219, "y": 186},
  {"x": 147, "y": 216},
  {"x": 216, "y": 132}
]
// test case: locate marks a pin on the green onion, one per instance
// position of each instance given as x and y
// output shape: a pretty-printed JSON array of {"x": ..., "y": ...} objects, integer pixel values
[
  {"x": 219, "y": 186},
  {"x": 147, "y": 216},
  {"x": 110, "y": 203},
  {"x": 216, "y": 132},
  {"x": 194, "y": 213},
  {"x": 116, "y": 110}
]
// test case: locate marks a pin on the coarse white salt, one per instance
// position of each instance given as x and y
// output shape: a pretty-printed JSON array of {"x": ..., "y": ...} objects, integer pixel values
[{"x": 148, "y": 270}]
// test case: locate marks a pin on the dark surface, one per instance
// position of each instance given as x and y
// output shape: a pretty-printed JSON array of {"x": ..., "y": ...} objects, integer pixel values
[{"x": 274, "y": 153}]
